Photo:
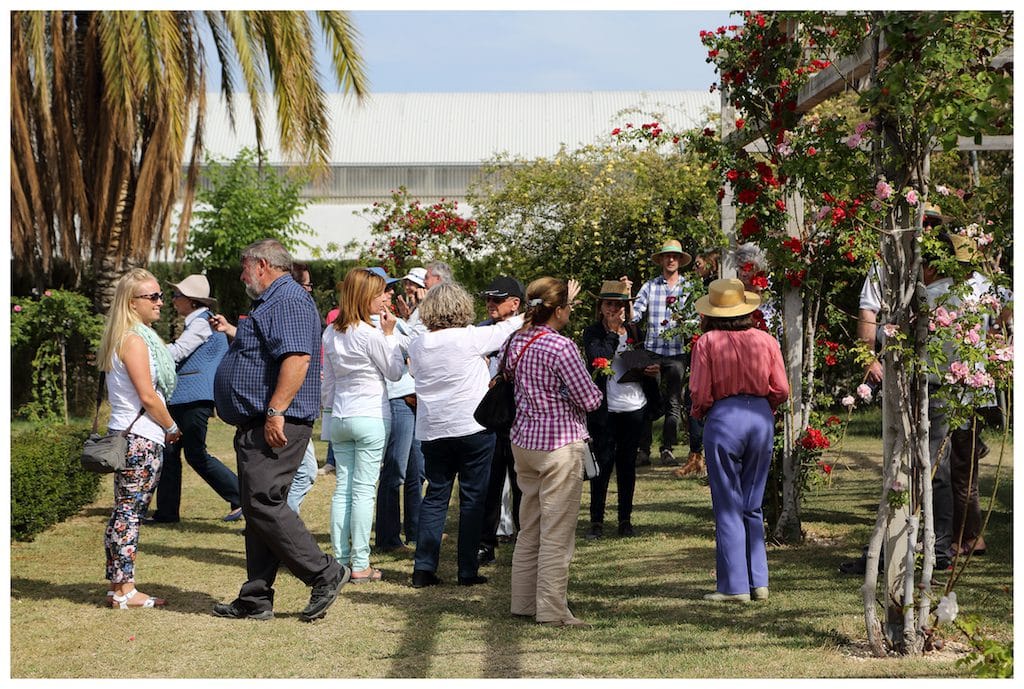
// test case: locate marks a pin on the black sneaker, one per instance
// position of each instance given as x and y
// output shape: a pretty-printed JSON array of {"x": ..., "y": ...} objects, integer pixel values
[
  {"x": 594, "y": 532},
  {"x": 324, "y": 595},
  {"x": 485, "y": 556},
  {"x": 236, "y": 611},
  {"x": 422, "y": 578},
  {"x": 472, "y": 581},
  {"x": 626, "y": 529},
  {"x": 643, "y": 458}
]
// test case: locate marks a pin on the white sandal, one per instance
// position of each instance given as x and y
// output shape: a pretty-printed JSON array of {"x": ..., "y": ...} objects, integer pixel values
[{"x": 121, "y": 602}]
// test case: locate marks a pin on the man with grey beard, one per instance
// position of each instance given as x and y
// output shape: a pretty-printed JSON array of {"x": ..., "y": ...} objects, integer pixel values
[{"x": 268, "y": 387}]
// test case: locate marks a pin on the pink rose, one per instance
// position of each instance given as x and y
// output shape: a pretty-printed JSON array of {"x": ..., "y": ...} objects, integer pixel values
[
  {"x": 864, "y": 392},
  {"x": 957, "y": 371},
  {"x": 847, "y": 402},
  {"x": 944, "y": 318},
  {"x": 883, "y": 190},
  {"x": 973, "y": 335},
  {"x": 853, "y": 141},
  {"x": 17, "y": 308},
  {"x": 911, "y": 197},
  {"x": 979, "y": 379}
]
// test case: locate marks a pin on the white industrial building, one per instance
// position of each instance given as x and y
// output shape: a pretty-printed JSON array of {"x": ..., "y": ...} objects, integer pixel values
[{"x": 435, "y": 143}]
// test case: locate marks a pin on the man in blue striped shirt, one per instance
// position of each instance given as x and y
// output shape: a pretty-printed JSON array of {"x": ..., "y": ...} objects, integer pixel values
[
  {"x": 268, "y": 386},
  {"x": 656, "y": 300}
]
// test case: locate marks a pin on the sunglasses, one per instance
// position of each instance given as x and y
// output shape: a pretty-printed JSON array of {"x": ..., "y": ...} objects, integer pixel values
[
  {"x": 154, "y": 297},
  {"x": 495, "y": 300}
]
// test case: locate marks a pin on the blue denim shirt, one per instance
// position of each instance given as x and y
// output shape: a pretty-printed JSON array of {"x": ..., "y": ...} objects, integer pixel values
[{"x": 283, "y": 320}]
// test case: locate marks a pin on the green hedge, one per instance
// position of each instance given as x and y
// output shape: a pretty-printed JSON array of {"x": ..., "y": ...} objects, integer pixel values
[{"x": 48, "y": 484}]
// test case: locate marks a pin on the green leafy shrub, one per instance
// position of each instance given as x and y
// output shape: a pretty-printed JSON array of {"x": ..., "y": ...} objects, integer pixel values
[
  {"x": 53, "y": 341},
  {"x": 48, "y": 484}
]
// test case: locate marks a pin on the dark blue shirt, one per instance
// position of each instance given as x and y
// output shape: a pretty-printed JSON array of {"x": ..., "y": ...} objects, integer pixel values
[{"x": 283, "y": 321}]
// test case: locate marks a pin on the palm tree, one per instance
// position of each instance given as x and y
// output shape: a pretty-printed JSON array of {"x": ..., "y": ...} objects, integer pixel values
[{"x": 101, "y": 109}]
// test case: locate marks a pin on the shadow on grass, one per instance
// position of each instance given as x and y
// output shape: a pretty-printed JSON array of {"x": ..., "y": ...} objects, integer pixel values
[
  {"x": 91, "y": 594},
  {"x": 213, "y": 556}
]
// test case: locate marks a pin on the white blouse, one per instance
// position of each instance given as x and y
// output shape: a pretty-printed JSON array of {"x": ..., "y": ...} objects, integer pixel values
[
  {"x": 450, "y": 368},
  {"x": 125, "y": 402},
  {"x": 356, "y": 362}
]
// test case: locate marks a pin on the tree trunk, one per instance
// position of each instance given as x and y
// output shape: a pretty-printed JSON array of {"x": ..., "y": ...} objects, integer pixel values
[{"x": 788, "y": 529}]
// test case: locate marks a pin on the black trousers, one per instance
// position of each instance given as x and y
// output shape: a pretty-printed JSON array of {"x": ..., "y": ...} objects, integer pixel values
[
  {"x": 615, "y": 444},
  {"x": 192, "y": 418},
  {"x": 274, "y": 534},
  {"x": 502, "y": 464}
]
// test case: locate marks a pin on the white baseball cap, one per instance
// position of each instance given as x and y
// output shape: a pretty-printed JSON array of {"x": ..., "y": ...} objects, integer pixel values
[{"x": 417, "y": 276}]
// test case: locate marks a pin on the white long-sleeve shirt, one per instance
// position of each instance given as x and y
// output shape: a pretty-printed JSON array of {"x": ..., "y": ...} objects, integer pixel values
[
  {"x": 356, "y": 362},
  {"x": 450, "y": 368},
  {"x": 197, "y": 331}
]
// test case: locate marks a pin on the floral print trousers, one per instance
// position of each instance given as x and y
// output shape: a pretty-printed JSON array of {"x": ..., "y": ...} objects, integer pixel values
[{"x": 133, "y": 489}]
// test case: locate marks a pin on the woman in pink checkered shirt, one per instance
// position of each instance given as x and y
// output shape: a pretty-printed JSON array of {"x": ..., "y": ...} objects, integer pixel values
[{"x": 553, "y": 392}]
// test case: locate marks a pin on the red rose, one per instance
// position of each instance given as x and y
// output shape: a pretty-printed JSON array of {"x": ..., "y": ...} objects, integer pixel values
[
  {"x": 830, "y": 360},
  {"x": 740, "y": 122},
  {"x": 599, "y": 362},
  {"x": 759, "y": 281},
  {"x": 670, "y": 300}
]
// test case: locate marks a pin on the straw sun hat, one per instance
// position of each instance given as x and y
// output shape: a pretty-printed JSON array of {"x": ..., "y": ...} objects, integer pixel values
[
  {"x": 672, "y": 246},
  {"x": 726, "y": 298}
]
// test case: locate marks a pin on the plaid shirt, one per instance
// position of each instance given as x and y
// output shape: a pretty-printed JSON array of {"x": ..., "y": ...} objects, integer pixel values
[
  {"x": 283, "y": 320},
  {"x": 653, "y": 300},
  {"x": 553, "y": 391}
]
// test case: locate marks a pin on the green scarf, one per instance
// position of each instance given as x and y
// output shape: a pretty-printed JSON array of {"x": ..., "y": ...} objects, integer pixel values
[{"x": 166, "y": 377}]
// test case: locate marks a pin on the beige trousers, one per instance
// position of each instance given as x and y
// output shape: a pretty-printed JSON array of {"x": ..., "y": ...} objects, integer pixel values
[{"x": 552, "y": 483}]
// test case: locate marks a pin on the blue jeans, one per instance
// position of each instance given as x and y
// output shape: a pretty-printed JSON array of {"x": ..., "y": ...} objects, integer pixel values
[
  {"x": 468, "y": 457},
  {"x": 403, "y": 468},
  {"x": 358, "y": 448},
  {"x": 304, "y": 478},
  {"x": 192, "y": 419}
]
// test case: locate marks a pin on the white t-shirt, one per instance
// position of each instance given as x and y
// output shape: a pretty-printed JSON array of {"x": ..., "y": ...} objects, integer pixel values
[
  {"x": 623, "y": 397},
  {"x": 450, "y": 368},
  {"x": 356, "y": 362},
  {"x": 125, "y": 402}
]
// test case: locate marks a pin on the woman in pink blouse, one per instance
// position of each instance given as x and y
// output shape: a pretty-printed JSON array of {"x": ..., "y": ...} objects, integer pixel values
[
  {"x": 553, "y": 393},
  {"x": 737, "y": 379}
]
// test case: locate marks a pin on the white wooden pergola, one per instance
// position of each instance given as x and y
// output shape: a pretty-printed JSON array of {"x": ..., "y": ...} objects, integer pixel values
[{"x": 847, "y": 71}]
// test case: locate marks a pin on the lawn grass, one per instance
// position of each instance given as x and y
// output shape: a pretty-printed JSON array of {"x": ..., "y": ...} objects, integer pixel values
[{"x": 643, "y": 596}]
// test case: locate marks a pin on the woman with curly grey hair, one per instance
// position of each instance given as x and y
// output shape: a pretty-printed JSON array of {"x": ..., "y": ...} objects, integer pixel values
[{"x": 449, "y": 365}]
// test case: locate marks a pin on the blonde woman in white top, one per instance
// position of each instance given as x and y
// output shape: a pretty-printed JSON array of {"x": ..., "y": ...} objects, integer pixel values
[
  {"x": 140, "y": 378},
  {"x": 357, "y": 359}
]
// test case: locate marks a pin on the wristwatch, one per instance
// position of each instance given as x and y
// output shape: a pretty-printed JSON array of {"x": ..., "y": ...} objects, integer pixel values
[{"x": 273, "y": 412}]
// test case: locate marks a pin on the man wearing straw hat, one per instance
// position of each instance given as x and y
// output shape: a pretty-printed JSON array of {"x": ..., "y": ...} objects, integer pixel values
[
  {"x": 197, "y": 352},
  {"x": 656, "y": 300}
]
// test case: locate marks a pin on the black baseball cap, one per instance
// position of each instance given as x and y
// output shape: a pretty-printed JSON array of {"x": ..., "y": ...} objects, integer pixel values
[{"x": 504, "y": 286}]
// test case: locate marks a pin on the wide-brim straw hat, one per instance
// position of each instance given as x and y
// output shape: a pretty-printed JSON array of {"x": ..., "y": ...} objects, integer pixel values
[
  {"x": 614, "y": 290},
  {"x": 196, "y": 288},
  {"x": 726, "y": 298},
  {"x": 965, "y": 249},
  {"x": 672, "y": 246}
]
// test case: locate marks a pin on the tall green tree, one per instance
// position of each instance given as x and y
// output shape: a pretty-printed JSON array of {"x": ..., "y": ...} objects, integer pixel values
[
  {"x": 102, "y": 107},
  {"x": 596, "y": 212}
]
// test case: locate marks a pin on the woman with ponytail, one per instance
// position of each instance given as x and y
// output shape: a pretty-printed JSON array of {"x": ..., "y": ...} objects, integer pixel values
[
  {"x": 553, "y": 393},
  {"x": 140, "y": 378}
]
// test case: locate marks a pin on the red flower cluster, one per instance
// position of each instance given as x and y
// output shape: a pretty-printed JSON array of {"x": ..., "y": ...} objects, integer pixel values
[
  {"x": 833, "y": 421},
  {"x": 796, "y": 277},
  {"x": 760, "y": 281},
  {"x": 599, "y": 362},
  {"x": 814, "y": 439},
  {"x": 794, "y": 245}
]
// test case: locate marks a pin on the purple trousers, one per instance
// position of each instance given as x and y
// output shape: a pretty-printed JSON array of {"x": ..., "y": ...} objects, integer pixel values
[{"x": 738, "y": 434}]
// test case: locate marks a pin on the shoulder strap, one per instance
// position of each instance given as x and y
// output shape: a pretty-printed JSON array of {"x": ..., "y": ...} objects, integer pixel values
[
  {"x": 99, "y": 401},
  {"x": 532, "y": 340}
]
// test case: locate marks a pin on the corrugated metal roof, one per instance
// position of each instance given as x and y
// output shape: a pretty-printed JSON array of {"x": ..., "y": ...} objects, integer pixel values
[{"x": 460, "y": 128}]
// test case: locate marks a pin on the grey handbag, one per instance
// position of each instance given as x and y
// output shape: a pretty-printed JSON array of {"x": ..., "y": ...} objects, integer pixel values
[
  {"x": 104, "y": 454},
  {"x": 591, "y": 469}
]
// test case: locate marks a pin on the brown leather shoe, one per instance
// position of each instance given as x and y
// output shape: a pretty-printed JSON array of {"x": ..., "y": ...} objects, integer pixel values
[{"x": 694, "y": 465}]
